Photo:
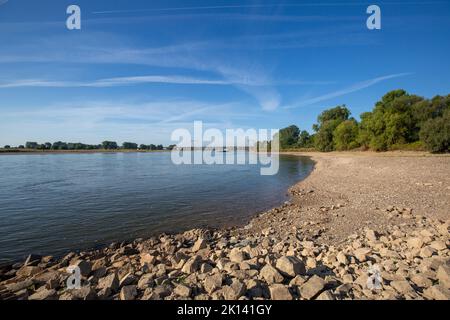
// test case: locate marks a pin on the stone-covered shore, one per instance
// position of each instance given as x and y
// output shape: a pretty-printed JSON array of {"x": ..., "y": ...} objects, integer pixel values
[{"x": 339, "y": 235}]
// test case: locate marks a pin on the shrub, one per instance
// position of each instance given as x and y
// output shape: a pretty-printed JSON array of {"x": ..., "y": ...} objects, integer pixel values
[
  {"x": 435, "y": 133},
  {"x": 323, "y": 140},
  {"x": 345, "y": 135}
]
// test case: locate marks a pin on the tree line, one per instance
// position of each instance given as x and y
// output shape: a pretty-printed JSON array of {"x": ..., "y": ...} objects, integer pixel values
[
  {"x": 105, "y": 145},
  {"x": 398, "y": 121}
]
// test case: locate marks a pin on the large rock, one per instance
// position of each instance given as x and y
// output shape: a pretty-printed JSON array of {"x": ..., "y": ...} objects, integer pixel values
[
  {"x": 99, "y": 272},
  {"x": 421, "y": 281},
  {"x": 17, "y": 286},
  {"x": 110, "y": 282},
  {"x": 28, "y": 271},
  {"x": 326, "y": 295},
  {"x": 371, "y": 235},
  {"x": 205, "y": 268},
  {"x": 84, "y": 293},
  {"x": 192, "y": 265},
  {"x": 128, "y": 293},
  {"x": 443, "y": 275},
  {"x": 32, "y": 260},
  {"x": 199, "y": 244},
  {"x": 271, "y": 275},
  {"x": 342, "y": 258},
  {"x": 312, "y": 287},
  {"x": 129, "y": 251},
  {"x": 438, "y": 245},
  {"x": 254, "y": 288},
  {"x": 237, "y": 255},
  {"x": 415, "y": 243},
  {"x": 297, "y": 281},
  {"x": 311, "y": 263},
  {"x": 437, "y": 292},
  {"x": 158, "y": 293},
  {"x": 212, "y": 283},
  {"x": 43, "y": 294},
  {"x": 361, "y": 254},
  {"x": 235, "y": 290},
  {"x": 402, "y": 286},
  {"x": 427, "y": 252},
  {"x": 127, "y": 280},
  {"x": 145, "y": 281},
  {"x": 279, "y": 292},
  {"x": 182, "y": 291},
  {"x": 290, "y": 266},
  {"x": 85, "y": 267},
  {"x": 444, "y": 228},
  {"x": 147, "y": 259}
]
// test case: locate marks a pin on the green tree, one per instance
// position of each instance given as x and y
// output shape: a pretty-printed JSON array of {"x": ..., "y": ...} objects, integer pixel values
[
  {"x": 435, "y": 133},
  {"x": 323, "y": 140},
  {"x": 129, "y": 145},
  {"x": 345, "y": 135},
  {"x": 31, "y": 145},
  {"x": 394, "y": 120},
  {"x": 305, "y": 140},
  {"x": 328, "y": 121},
  {"x": 59, "y": 145},
  {"x": 143, "y": 147},
  {"x": 108, "y": 145},
  {"x": 336, "y": 113},
  {"x": 288, "y": 137}
]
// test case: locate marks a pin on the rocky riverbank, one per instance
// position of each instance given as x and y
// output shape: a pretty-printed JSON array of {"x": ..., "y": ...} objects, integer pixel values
[{"x": 359, "y": 227}]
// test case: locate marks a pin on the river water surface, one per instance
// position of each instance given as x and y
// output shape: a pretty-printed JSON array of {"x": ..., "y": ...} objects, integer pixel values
[{"x": 53, "y": 203}]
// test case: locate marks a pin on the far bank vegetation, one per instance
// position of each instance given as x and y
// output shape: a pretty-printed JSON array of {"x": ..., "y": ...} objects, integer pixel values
[{"x": 399, "y": 121}]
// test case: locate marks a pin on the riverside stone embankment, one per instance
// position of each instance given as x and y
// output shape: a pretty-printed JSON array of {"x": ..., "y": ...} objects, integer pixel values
[{"x": 361, "y": 226}]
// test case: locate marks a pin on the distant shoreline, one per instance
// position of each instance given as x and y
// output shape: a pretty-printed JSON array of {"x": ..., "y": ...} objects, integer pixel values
[{"x": 34, "y": 151}]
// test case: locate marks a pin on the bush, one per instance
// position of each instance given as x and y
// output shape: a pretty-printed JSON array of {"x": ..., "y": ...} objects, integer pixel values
[
  {"x": 413, "y": 146},
  {"x": 345, "y": 135},
  {"x": 328, "y": 121},
  {"x": 109, "y": 145},
  {"x": 129, "y": 145},
  {"x": 288, "y": 136},
  {"x": 305, "y": 140},
  {"x": 435, "y": 133},
  {"x": 323, "y": 140}
]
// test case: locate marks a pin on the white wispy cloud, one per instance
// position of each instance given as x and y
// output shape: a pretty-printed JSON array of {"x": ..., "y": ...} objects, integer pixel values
[
  {"x": 256, "y": 6},
  {"x": 112, "y": 82},
  {"x": 353, "y": 88},
  {"x": 127, "y": 111},
  {"x": 198, "y": 8},
  {"x": 171, "y": 79},
  {"x": 231, "y": 67}
]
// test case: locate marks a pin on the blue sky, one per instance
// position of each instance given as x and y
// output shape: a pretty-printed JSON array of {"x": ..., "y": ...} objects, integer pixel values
[{"x": 137, "y": 70}]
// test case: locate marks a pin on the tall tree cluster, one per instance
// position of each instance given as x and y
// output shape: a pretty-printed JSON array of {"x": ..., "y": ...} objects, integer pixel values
[{"x": 399, "y": 119}]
